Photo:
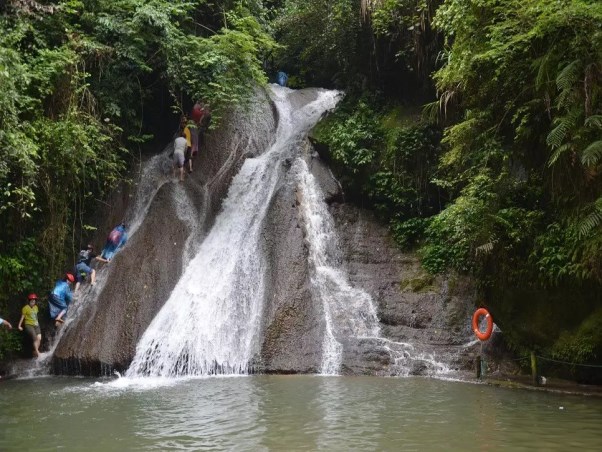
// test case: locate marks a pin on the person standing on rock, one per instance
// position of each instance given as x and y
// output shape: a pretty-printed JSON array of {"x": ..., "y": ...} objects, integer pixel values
[
  {"x": 29, "y": 314},
  {"x": 116, "y": 239},
  {"x": 83, "y": 268},
  {"x": 60, "y": 299},
  {"x": 180, "y": 147}
]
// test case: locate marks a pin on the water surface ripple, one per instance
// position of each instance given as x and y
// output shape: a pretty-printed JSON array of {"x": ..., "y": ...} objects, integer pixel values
[{"x": 290, "y": 413}]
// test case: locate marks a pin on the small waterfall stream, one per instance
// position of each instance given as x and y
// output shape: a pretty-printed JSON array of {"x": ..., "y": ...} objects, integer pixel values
[
  {"x": 210, "y": 323},
  {"x": 348, "y": 311}
]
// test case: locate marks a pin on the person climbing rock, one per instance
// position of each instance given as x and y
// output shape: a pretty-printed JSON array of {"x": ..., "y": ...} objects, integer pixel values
[
  {"x": 29, "y": 314},
  {"x": 116, "y": 239},
  {"x": 179, "y": 154},
  {"x": 282, "y": 78},
  {"x": 60, "y": 299},
  {"x": 83, "y": 268},
  {"x": 191, "y": 132},
  {"x": 6, "y": 324}
]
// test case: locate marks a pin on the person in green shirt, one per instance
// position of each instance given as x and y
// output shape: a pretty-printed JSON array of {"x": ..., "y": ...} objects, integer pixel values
[{"x": 29, "y": 314}]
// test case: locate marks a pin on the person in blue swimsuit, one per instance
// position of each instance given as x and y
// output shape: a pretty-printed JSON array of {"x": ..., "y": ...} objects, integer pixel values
[{"x": 116, "y": 239}]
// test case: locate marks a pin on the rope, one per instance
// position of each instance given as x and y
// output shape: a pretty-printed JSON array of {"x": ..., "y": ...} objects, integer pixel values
[
  {"x": 526, "y": 357},
  {"x": 571, "y": 364}
]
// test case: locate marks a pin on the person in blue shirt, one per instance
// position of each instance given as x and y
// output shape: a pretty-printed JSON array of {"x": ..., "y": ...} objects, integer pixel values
[
  {"x": 60, "y": 299},
  {"x": 282, "y": 78},
  {"x": 116, "y": 239}
]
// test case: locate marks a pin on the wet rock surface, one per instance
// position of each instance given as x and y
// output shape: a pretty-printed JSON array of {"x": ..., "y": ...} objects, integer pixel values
[
  {"x": 112, "y": 316},
  {"x": 292, "y": 327},
  {"x": 432, "y": 314},
  {"x": 413, "y": 307}
]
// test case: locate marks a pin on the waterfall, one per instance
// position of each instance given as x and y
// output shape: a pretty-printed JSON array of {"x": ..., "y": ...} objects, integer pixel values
[
  {"x": 348, "y": 311},
  {"x": 210, "y": 323}
]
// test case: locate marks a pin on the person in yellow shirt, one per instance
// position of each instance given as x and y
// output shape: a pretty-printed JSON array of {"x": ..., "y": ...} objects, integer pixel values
[{"x": 29, "y": 314}]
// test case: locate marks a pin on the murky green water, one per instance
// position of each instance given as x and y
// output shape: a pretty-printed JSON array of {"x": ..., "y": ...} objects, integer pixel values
[{"x": 290, "y": 413}]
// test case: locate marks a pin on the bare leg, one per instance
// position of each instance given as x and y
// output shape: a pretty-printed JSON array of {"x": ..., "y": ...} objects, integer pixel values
[
  {"x": 76, "y": 286},
  {"x": 93, "y": 277},
  {"x": 59, "y": 318},
  {"x": 36, "y": 345},
  {"x": 182, "y": 174}
]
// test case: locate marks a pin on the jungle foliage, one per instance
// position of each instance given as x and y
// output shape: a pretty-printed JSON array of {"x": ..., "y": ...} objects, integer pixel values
[
  {"x": 513, "y": 191},
  {"x": 81, "y": 83},
  {"x": 499, "y": 177}
]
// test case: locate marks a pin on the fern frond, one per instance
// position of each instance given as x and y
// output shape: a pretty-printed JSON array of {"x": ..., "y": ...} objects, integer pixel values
[
  {"x": 592, "y": 155},
  {"x": 593, "y": 220},
  {"x": 558, "y": 133},
  {"x": 568, "y": 76},
  {"x": 594, "y": 121},
  {"x": 558, "y": 152},
  {"x": 486, "y": 248},
  {"x": 564, "y": 125},
  {"x": 542, "y": 65}
]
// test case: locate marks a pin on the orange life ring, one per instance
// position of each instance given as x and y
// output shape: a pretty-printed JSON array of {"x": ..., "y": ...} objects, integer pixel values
[{"x": 475, "y": 324}]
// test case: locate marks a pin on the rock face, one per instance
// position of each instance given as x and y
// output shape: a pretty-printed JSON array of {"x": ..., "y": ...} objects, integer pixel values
[
  {"x": 111, "y": 317},
  {"x": 432, "y": 314},
  {"x": 424, "y": 321}
]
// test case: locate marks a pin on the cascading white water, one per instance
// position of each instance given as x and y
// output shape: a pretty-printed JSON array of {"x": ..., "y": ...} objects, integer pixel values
[
  {"x": 210, "y": 322},
  {"x": 348, "y": 311}
]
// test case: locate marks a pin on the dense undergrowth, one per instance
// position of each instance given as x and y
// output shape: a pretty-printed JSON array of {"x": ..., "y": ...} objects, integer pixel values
[
  {"x": 83, "y": 85},
  {"x": 512, "y": 192}
]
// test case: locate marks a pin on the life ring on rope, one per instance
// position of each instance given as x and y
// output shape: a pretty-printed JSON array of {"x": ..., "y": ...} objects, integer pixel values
[{"x": 482, "y": 336}]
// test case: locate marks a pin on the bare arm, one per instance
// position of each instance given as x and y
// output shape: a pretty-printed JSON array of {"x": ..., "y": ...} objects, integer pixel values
[{"x": 20, "y": 322}]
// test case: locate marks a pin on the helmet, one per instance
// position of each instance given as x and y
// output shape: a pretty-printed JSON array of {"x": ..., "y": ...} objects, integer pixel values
[
  {"x": 70, "y": 277},
  {"x": 32, "y": 296}
]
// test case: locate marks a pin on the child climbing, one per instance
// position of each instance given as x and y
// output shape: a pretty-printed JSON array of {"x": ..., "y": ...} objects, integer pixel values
[
  {"x": 116, "y": 239},
  {"x": 29, "y": 314},
  {"x": 60, "y": 299}
]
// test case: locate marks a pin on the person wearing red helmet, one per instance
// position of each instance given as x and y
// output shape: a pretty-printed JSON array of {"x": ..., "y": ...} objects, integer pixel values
[
  {"x": 60, "y": 299},
  {"x": 29, "y": 314}
]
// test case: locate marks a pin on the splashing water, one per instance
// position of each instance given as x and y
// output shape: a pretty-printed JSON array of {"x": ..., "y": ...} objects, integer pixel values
[{"x": 211, "y": 321}]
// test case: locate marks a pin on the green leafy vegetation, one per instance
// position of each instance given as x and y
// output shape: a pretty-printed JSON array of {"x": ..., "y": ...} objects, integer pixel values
[
  {"x": 512, "y": 193},
  {"x": 472, "y": 127},
  {"x": 83, "y": 84}
]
